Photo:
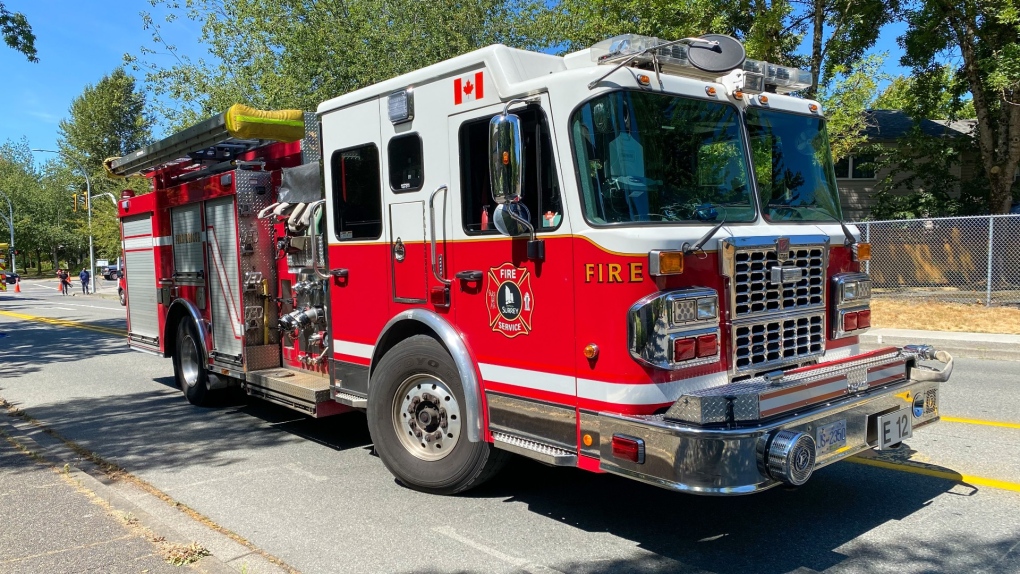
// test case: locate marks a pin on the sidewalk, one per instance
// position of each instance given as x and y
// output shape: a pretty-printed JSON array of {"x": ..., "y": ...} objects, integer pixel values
[
  {"x": 969, "y": 345},
  {"x": 60, "y": 513}
]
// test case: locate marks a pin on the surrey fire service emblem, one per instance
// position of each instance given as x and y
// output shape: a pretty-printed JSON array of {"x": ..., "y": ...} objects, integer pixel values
[{"x": 509, "y": 300}]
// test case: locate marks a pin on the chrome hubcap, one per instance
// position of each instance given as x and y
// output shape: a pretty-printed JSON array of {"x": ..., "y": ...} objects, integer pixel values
[
  {"x": 426, "y": 417},
  {"x": 189, "y": 361}
]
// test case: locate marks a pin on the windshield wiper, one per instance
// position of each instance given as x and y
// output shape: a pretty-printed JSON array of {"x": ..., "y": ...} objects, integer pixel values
[
  {"x": 688, "y": 248},
  {"x": 849, "y": 240}
]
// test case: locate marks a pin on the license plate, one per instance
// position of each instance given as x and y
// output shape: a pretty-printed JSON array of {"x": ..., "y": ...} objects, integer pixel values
[
  {"x": 893, "y": 428},
  {"x": 831, "y": 436}
]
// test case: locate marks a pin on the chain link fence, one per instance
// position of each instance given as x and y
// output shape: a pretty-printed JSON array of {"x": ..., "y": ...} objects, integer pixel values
[{"x": 950, "y": 259}]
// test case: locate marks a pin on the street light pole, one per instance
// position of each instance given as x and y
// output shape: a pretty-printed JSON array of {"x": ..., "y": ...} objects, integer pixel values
[
  {"x": 10, "y": 225},
  {"x": 88, "y": 195}
]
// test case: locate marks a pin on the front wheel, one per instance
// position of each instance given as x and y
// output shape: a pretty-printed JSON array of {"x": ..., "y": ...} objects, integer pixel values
[
  {"x": 416, "y": 416},
  {"x": 188, "y": 368},
  {"x": 123, "y": 297}
]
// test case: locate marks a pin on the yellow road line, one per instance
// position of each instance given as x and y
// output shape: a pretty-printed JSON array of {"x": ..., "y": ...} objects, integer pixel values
[
  {"x": 947, "y": 475},
  {"x": 65, "y": 323},
  {"x": 981, "y": 422}
]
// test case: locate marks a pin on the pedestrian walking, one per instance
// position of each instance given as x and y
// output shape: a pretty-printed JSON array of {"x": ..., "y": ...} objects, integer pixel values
[
  {"x": 65, "y": 280},
  {"x": 84, "y": 276}
]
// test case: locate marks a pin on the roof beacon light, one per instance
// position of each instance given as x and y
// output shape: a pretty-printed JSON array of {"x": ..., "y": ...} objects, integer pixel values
[
  {"x": 785, "y": 79},
  {"x": 706, "y": 57}
]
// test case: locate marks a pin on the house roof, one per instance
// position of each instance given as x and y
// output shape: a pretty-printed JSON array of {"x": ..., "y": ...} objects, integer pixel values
[{"x": 885, "y": 125}]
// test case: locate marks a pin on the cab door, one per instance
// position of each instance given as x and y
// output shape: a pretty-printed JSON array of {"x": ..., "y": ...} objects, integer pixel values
[
  {"x": 516, "y": 312},
  {"x": 358, "y": 246}
]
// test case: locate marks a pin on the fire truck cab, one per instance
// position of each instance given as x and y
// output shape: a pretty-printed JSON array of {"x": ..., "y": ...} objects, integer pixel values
[{"x": 629, "y": 259}]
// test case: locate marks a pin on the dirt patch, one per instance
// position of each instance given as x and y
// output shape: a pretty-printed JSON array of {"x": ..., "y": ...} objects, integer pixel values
[{"x": 929, "y": 316}]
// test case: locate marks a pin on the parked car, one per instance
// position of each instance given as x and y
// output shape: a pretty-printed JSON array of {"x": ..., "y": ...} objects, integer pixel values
[
  {"x": 10, "y": 277},
  {"x": 121, "y": 292},
  {"x": 109, "y": 272}
]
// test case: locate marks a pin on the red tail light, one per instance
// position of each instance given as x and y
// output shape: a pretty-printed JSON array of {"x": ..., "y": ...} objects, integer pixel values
[
  {"x": 629, "y": 448},
  {"x": 683, "y": 350},
  {"x": 708, "y": 345},
  {"x": 850, "y": 322},
  {"x": 864, "y": 319}
]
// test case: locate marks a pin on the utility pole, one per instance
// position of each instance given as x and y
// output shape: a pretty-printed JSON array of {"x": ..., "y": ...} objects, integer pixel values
[
  {"x": 88, "y": 203},
  {"x": 10, "y": 225}
]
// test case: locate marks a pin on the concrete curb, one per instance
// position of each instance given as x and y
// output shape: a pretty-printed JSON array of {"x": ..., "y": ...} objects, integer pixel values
[
  {"x": 162, "y": 519},
  {"x": 967, "y": 345}
]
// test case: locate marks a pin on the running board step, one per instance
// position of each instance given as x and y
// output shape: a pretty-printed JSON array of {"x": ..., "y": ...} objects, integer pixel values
[
  {"x": 539, "y": 451},
  {"x": 349, "y": 399},
  {"x": 299, "y": 390}
]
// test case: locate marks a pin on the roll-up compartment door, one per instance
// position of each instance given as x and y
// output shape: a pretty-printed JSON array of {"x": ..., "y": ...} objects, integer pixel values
[{"x": 140, "y": 277}]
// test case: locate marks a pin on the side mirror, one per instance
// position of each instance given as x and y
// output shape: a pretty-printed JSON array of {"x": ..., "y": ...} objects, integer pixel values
[
  {"x": 506, "y": 171},
  {"x": 512, "y": 219}
]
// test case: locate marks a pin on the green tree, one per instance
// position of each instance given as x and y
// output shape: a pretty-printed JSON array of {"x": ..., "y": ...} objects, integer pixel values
[
  {"x": 17, "y": 32},
  {"x": 904, "y": 94},
  {"x": 985, "y": 36},
  {"x": 45, "y": 223},
  {"x": 107, "y": 120},
  {"x": 297, "y": 53},
  {"x": 845, "y": 101},
  {"x": 841, "y": 31}
]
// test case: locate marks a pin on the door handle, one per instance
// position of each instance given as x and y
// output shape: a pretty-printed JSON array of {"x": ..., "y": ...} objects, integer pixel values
[
  {"x": 471, "y": 276},
  {"x": 339, "y": 273}
]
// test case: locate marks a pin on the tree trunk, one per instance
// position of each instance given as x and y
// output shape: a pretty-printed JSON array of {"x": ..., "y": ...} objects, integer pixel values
[
  {"x": 816, "y": 47},
  {"x": 1000, "y": 199}
]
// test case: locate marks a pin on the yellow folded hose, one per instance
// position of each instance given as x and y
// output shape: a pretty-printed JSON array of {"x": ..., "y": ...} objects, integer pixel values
[{"x": 248, "y": 123}]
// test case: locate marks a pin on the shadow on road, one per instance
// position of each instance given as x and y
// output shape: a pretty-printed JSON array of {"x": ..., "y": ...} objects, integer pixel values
[{"x": 27, "y": 345}]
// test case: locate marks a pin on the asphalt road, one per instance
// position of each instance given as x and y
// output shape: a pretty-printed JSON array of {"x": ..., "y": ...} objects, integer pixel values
[{"x": 311, "y": 492}]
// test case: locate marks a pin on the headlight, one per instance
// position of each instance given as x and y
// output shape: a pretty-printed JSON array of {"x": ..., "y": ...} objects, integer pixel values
[
  {"x": 708, "y": 308},
  {"x": 850, "y": 291}
]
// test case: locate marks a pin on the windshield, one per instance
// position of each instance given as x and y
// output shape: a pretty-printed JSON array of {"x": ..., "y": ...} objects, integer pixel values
[
  {"x": 793, "y": 166},
  {"x": 660, "y": 159}
]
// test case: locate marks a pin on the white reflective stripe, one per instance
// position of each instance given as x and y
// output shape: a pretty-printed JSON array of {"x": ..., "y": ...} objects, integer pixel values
[
  {"x": 353, "y": 349},
  {"x": 645, "y": 394},
  {"x": 767, "y": 404},
  {"x": 562, "y": 384},
  {"x": 894, "y": 371},
  {"x": 162, "y": 240},
  {"x": 137, "y": 243}
]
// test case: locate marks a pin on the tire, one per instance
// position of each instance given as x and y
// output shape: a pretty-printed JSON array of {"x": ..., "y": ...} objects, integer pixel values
[
  {"x": 188, "y": 368},
  {"x": 420, "y": 368},
  {"x": 123, "y": 297}
]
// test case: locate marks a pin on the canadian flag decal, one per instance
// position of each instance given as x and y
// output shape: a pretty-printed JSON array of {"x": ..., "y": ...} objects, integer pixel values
[{"x": 468, "y": 88}]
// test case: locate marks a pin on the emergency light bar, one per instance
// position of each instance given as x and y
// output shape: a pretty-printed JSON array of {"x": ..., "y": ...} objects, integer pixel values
[
  {"x": 785, "y": 79},
  {"x": 675, "y": 59}
]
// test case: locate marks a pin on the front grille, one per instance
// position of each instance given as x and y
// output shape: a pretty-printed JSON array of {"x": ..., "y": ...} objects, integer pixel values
[
  {"x": 766, "y": 342},
  {"x": 754, "y": 293}
]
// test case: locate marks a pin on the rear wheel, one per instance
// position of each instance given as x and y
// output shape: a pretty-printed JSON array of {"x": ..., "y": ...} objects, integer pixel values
[
  {"x": 416, "y": 415},
  {"x": 188, "y": 368},
  {"x": 123, "y": 297}
]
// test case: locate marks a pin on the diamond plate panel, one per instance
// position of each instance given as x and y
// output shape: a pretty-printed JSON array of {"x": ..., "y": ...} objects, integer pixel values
[
  {"x": 255, "y": 191},
  {"x": 311, "y": 145},
  {"x": 708, "y": 406},
  {"x": 259, "y": 357}
]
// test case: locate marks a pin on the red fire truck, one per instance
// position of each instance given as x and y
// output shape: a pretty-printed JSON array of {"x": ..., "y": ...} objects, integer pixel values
[{"x": 629, "y": 259}]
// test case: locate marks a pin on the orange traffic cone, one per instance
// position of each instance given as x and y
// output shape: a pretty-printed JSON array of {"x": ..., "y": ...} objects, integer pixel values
[{"x": 17, "y": 286}]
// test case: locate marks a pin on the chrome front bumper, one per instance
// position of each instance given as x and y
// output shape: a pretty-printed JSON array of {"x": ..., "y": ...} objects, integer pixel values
[{"x": 726, "y": 458}]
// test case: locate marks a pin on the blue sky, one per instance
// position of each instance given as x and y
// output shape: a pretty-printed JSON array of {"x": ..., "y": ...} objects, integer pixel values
[{"x": 80, "y": 41}]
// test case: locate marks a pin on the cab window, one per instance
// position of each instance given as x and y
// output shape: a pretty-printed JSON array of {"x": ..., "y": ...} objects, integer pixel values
[
  {"x": 407, "y": 170},
  {"x": 357, "y": 194},
  {"x": 541, "y": 193}
]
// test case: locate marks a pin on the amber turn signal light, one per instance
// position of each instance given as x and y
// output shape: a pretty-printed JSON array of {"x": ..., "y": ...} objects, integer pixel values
[
  {"x": 591, "y": 350},
  {"x": 862, "y": 251},
  {"x": 665, "y": 262}
]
